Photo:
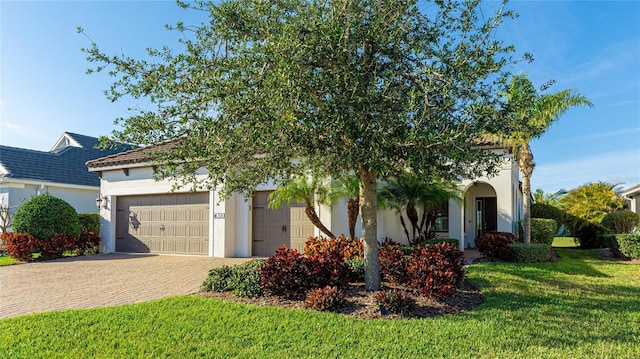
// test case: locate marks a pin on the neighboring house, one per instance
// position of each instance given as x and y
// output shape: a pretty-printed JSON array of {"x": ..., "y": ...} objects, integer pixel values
[
  {"x": 60, "y": 172},
  {"x": 143, "y": 215},
  {"x": 632, "y": 196}
]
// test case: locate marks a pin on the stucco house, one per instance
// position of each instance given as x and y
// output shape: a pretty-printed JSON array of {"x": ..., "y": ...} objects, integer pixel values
[
  {"x": 142, "y": 215},
  {"x": 62, "y": 172},
  {"x": 632, "y": 196}
]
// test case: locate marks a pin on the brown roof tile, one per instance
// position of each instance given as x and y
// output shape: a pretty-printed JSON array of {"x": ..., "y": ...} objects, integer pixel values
[{"x": 139, "y": 155}]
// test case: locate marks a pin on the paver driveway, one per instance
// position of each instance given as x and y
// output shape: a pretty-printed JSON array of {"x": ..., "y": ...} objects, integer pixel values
[{"x": 100, "y": 280}]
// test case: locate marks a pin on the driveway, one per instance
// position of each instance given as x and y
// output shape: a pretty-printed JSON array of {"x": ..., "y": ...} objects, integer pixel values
[{"x": 100, "y": 281}]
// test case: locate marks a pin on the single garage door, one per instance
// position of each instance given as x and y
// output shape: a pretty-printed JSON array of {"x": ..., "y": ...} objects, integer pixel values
[
  {"x": 166, "y": 223},
  {"x": 274, "y": 228}
]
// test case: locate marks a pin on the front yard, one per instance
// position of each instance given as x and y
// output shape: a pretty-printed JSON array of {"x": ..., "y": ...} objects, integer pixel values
[{"x": 581, "y": 306}]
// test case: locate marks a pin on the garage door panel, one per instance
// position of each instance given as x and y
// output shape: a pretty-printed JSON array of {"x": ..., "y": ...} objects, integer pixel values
[{"x": 171, "y": 223}]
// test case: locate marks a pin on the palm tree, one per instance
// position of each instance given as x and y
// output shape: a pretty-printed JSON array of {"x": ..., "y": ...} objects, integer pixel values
[
  {"x": 302, "y": 190},
  {"x": 529, "y": 114},
  {"x": 348, "y": 187},
  {"x": 411, "y": 193}
]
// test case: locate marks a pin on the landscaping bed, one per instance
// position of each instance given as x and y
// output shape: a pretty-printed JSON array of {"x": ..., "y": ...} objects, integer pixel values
[{"x": 360, "y": 303}]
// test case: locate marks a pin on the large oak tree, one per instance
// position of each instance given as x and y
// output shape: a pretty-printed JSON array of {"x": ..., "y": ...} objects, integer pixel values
[{"x": 371, "y": 87}]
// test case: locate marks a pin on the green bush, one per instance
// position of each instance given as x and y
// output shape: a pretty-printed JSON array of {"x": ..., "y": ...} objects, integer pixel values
[
  {"x": 589, "y": 235},
  {"x": 243, "y": 280},
  {"x": 542, "y": 230},
  {"x": 629, "y": 244},
  {"x": 45, "y": 216},
  {"x": 530, "y": 253},
  {"x": 357, "y": 269},
  {"x": 610, "y": 242},
  {"x": 543, "y": 210},
  {"x": 89, "y": 222},
  {"x": 621, "y": 221}
]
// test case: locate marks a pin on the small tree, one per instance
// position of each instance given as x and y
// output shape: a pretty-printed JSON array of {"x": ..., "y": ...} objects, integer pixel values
[
  {"x": 592, "y": 201},
  {"x": 373, "y": 87}
]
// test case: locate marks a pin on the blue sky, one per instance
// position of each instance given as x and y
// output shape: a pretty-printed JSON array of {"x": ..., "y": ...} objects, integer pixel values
[{"x": 590, "y": 46}]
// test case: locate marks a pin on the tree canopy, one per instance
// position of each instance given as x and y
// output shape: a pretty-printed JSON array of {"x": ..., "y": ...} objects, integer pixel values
[
  {"x": 592, "y": 201},
  {"x": 373, "y": 87}
]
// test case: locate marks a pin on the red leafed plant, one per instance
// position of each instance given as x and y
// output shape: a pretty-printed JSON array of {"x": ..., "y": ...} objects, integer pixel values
[
  {"x": 325, "y": 298},
  {"x": 396, "y": 301},
  {"x": 436, "y": 270},
  {"x": 393, "y": 262},
  {"x": 349, "y": 248},
  {"x": 496, "y": 245}
]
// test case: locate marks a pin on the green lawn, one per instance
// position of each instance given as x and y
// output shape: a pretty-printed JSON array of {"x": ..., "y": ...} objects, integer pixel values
[
  {"x": 579, "y": 307},
  {"x": 564, "y": 242}
]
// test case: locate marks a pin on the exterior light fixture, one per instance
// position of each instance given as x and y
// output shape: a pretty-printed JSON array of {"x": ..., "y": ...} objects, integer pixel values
[{"x": 101, "y": 202}]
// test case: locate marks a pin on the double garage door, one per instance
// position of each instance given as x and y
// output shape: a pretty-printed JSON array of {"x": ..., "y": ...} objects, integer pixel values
[{"x": 166, "y": 223}]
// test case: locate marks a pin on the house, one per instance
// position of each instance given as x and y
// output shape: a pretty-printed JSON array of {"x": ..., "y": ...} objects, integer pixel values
[
  {"x": 632, "y": 197},
  {"x": 142, "y": 215},
  {"x": 61, "y": 172}
]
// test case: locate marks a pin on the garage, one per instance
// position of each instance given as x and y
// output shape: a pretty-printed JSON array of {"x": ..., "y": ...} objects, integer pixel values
[
  {"x": 176, "y": 223},
  {"x": 274, "y": 228}
]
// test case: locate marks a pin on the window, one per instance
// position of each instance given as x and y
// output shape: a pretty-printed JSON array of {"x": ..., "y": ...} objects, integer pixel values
[{"x": 442, "y": 219}]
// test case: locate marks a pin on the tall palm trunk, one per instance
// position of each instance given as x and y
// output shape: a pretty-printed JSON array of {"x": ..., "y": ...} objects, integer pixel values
[
  {"x": 313, "y": 217},
  {"x": 526, "y": 164},
  {"x": 368, "y": 213},
  {"x": 353, "y": 208}
]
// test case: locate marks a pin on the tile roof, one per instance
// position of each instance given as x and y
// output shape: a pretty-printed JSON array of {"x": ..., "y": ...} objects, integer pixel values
[
  {"x": 66, "y": 165},
  {"x": 138, "y": 155}
]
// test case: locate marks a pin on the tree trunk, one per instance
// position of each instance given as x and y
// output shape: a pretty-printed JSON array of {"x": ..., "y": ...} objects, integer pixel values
[
  {"x": 526, "y": 164},
  {"x": 313, "y": 217},
  {"x": 368, "y": 213},
  {"x": 353, "y": 208},
  {"x": 404, "y": 226}
]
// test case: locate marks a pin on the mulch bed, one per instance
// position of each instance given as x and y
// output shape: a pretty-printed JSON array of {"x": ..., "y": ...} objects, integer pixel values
[
  {"x": 606, "y": 254},
  {"x": 361, "y": 303}
]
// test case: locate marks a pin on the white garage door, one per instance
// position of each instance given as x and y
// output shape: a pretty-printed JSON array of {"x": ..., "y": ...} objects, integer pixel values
[{"x": 166, "y": 223}]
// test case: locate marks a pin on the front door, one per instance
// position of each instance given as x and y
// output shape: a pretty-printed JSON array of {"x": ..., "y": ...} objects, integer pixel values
[{"x": 486, "y": 215}]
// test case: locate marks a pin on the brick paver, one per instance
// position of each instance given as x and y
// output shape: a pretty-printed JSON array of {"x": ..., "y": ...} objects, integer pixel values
[{"x": 100, "y": 280}]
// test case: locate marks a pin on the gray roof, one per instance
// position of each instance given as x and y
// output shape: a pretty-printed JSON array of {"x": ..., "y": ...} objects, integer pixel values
[{"x": 61, "y": 165}]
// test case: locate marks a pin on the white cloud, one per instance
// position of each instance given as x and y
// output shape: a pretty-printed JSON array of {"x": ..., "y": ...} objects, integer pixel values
[{"x": 614, "y": 167}]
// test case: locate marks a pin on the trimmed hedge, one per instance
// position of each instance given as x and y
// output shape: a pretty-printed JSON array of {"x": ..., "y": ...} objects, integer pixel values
[
  {"x": 542, "y": 230},
  {"x": 621, "y": 221},
  {"x": 629, "y": 244},
  {"x": 243, "y": 280},
  {"x": 543, "y": 210},
  {"x": 89, "y": 222},
  {"x": 45, "y": 216},
  {"x": 530, "y": 253}
]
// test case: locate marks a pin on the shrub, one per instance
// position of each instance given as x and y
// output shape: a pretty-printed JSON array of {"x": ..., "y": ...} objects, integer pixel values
[
  {"x": 496, "y": 245},
  {"x": 87, "y": 243},
  {"x": 323, "y": 299},
  {"x": 45, "y": 216},
  {"x": 396, "y": 301},
  {"x": 89, "y": 222},
  {"x": 451, "y": 241},
  {"x": 530, "y": 253},
  {"x": 435, "y": 270},
  {"x": 629, "y": 244},
  {"x": 21, "y": 246},
  {"x": 542, "y": 230},
  {"x": 243, "y": 280},
  {"x": 290, "y": 273},
  {"x": 357, "y": 269},
  {"x": 393, "y": 262},
  {"x": 610, "y": 241},
  {"x": 621, "y": 221},
  {"x": 347, "y": 247},
  {"x": 543, "y": 210},
  {"x": 588, "y": 235}
]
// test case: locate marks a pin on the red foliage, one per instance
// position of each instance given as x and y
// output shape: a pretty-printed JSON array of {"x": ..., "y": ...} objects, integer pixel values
[
  {"x": 290, "y": 273},
  {"x": 326, "y": 298},
  {"x": 22, "y": 246},
  {"x": 396, "y": 301},
  {"x": 349, "y": 248},
  {"x": 393, "y": 262},
  {"x": 496, "y": 245},
  {"x": 436, "y": 269}
]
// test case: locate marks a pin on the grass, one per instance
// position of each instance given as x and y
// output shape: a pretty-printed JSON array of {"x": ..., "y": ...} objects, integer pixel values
[
  {"x": 579, "y": 307},
  {"x": 7, "y": 261},
  {"x": 564, "y": 242}
]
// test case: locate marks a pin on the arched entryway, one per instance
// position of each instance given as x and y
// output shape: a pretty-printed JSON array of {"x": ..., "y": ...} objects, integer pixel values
[{"x": 481, "y": 211}]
